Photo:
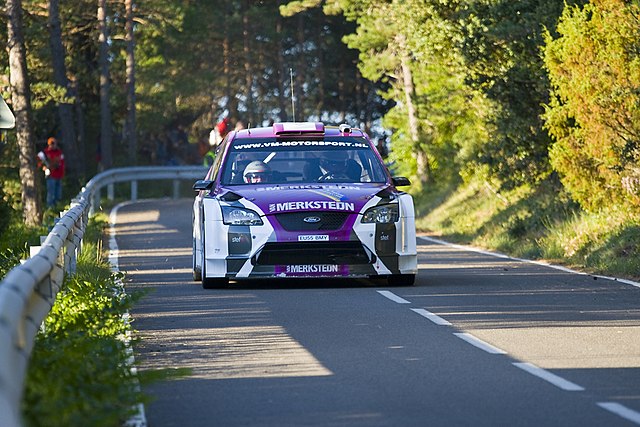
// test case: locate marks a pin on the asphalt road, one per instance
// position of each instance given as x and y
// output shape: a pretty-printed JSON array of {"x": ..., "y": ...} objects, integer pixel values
[{"x": 479, "y": 341}]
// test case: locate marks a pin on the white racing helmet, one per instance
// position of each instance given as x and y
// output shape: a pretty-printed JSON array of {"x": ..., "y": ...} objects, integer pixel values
[{"x": 256, "y": 172}]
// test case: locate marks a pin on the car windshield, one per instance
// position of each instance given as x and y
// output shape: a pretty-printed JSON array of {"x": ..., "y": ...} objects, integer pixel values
[{"x": 271, "y": 160}]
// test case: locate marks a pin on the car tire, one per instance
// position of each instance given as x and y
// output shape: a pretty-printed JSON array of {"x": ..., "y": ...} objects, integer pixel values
[
  {"x": 401, "y": 280},
  {"x": 215, "y": 282},
  {"x": 197, "y": 272},
  {"x": 210, "y": 282}
]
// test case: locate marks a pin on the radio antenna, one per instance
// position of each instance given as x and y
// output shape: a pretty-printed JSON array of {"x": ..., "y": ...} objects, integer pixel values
[{"x": 293, "y": 102}]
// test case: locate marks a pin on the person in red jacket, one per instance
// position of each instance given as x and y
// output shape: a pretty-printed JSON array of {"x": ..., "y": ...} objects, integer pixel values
[{"x": 51, "y": 160}]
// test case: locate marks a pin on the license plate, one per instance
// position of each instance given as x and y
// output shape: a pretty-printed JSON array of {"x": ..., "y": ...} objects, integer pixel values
[{"x": 313, "y": 238}]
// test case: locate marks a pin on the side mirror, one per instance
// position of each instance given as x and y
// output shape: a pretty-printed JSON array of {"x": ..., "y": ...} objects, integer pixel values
[
  {"x": 400, "y": 181},
  {"x": 7, "y": 119},
  {"x": 203, "y": 185}
]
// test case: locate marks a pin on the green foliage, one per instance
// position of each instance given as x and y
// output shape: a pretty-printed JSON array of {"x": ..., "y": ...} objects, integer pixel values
[
  {"x": 15, "y": 240},
  {"x": 500, "y": 41},
  {"x": 450, "y": 120},
  {"x": 540, "y": 222},
  {"x": 198, "y": 61},
  {"x": 79, "y": 373},
  {"x": 45, "y": 93},
  {"x": 594, "y": 112}
]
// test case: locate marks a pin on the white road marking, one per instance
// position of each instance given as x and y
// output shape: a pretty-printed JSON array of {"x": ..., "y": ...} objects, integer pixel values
[
  {"x": 393, "y": 297},
  {"x": 138, "y": 417},
  {"x": 433, "y": 317},
  {"x": 621, "y": 411},
  {"x": 549, "y": 377},
  {"x": 476, "y": 342}
]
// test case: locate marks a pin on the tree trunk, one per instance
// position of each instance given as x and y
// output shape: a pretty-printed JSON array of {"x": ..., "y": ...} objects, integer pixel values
[
  {"x": 342, "y": 101},
  {"x": 82, "y": 137},
  {"x": 21, "y": 100},
  {"x": 229, "y": 93},
  {"x": 412, "y": 115},
  {"x": 106, "y": 139},
  {"x": 65, "y": 109},
  {"x": 130, "y": 124}
]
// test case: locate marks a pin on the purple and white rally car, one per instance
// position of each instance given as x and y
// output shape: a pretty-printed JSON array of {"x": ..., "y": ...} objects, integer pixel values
[{"x": 302, "y": 200}]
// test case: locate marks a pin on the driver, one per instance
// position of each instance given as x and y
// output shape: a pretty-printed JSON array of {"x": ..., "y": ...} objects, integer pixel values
[
  {"x": 336, "y": 165},
  {"x": 333, "y": 163},
  {"x": 257, "y": 172}
]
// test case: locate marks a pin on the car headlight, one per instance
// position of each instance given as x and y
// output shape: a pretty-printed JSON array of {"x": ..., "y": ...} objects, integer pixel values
[
  {"x": 232, "y": 215},
  {"x": 383, "y": 214}
]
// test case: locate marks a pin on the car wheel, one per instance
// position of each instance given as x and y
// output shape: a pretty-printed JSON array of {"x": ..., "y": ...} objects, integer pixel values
[
  {"x": 210, "y": 282},
  {"x": 214, "y": 282},
  {"x": 197, "y": 272},
  {"x": 401, "y": 280}
]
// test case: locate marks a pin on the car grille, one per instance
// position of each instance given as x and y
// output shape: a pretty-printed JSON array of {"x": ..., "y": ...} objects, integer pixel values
[
  {"x": 295, "y": 221},
  {"x": 337, "y": 253}
]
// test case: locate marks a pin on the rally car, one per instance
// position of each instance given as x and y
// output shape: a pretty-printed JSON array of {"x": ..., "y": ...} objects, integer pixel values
[{"x": 302, "y": 200}]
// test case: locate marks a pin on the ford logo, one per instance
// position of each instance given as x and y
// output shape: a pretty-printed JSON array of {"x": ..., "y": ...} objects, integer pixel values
[{"x": 312, "y": 219}]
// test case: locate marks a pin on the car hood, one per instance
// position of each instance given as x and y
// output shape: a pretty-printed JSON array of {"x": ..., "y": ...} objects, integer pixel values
[{"x": 294, "y": 198}]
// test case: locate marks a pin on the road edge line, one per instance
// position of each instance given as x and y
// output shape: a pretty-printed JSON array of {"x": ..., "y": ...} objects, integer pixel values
[
  {"x": 139, "y": 418},
  {"x": 529, "y": 261}
]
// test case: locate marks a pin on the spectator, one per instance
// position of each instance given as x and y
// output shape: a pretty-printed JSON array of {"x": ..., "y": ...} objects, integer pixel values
[
  {"x": 210, "y": 156},
  {"x": 223, "y": 127},
  {"x": 51, "y": 160},
  {"x": 219, "y": 132}
]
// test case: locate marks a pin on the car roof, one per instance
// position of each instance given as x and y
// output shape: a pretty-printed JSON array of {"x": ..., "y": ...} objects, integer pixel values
[{"x": 298, "y": 129}]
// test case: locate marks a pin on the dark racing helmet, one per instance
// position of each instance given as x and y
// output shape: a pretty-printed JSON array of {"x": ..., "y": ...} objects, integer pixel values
[{"x": 333, "y": 161}]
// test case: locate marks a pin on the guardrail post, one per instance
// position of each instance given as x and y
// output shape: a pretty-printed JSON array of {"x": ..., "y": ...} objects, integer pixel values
[
  {"x": 74, "y": 245},
  {"x": 70, "y": 254},
  {"x": 94, "y": 202},
  {"x": 134, "y": 190},
  {"x": 110, "y": 192},
  {"x": 176, "y": 189}
]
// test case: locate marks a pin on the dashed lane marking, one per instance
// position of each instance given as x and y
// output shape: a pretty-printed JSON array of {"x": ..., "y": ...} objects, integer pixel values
[
  {"x": 549, "y": 377},
  {"x": 621, "y": 411},
  {"x": 433, "y": 317},
  {"x": 393, "y": 297},
  {"x": 476, "y": 342}
]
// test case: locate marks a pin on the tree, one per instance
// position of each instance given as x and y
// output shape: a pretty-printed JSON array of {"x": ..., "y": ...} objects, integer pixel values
[
  {"x": 500, "y": 42},
  {"x": 130, "y": 122},
  {"x": 593, "y": 115},
  {"x": 21, "y": 99},
  {"x": 422, "y": 163},
  {"x": 106, "y": 148},
  {"x": 65, "y": 108},
  {"x": 408, "y": 48}
]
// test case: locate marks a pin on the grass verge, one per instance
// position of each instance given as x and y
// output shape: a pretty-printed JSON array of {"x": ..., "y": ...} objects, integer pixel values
[
  {"x": 534, "y": 222},
  {"x": 78, "y": 373}
]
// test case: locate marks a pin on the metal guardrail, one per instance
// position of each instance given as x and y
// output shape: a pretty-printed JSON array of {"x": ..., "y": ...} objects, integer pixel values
[{"x": 28, "y": 291}]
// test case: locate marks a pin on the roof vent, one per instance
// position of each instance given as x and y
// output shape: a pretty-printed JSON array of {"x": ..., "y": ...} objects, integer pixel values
[
  {"x": 345, "y": 128},
  {"x": 298, "y": 128}
]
